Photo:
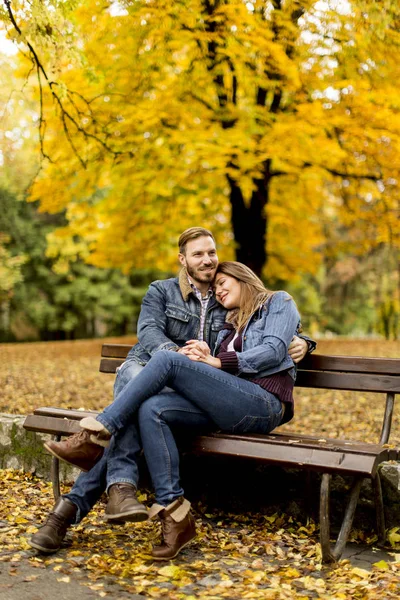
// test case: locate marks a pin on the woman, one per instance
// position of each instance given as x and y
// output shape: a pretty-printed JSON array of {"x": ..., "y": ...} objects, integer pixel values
[{"x": 244, "y": 386}]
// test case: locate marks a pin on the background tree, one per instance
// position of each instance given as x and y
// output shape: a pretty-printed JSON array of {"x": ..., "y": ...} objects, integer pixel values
[{"x": 280, "y": 117}]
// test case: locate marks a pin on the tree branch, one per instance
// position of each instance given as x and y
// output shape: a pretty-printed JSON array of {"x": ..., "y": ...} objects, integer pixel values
[{"x": 65, "y": 114}]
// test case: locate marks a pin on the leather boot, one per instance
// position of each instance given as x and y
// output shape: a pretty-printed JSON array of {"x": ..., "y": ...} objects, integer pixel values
[
  {"x": 123, "y": 505},
  {"x": 99, "y": 434},
  {"x": 77, "y": 450},
  {"x": 49, "y": 537},
  {"x": 178, "y": 528}
]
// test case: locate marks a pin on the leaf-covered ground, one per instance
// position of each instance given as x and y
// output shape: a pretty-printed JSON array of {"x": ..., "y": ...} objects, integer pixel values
[
  {"x": 65, "y": 374},
  {"x": 252, "y": 556}
]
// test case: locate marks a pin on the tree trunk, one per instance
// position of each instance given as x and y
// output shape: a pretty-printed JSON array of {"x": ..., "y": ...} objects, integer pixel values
[{"x": 249, "y": 222}]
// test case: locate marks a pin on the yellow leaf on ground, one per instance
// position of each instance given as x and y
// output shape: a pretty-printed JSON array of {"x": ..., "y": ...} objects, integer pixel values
[{"x": 382, "y": 565}]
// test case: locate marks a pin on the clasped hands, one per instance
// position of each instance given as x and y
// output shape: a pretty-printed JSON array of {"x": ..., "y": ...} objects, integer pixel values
[{"x": 200, "y": 351}]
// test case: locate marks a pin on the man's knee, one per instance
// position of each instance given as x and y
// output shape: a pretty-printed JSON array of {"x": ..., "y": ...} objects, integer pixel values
[{"x": 127, "y": 371}]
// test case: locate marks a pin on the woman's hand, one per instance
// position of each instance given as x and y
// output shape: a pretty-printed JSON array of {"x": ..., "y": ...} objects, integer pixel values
[
  {"x": 196, "y": 348},
  {"x": 298, "y": 348},
  {"x": 208, "y": 360},
  {"x": 200, "y": 352}
]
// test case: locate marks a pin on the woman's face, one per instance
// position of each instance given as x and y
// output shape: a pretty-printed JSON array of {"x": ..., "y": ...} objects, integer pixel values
[{"x": 227, "y": 291}]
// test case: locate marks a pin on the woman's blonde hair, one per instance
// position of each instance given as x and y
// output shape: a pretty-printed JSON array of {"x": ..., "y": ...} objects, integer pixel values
[{"x": 253, "y": 292}]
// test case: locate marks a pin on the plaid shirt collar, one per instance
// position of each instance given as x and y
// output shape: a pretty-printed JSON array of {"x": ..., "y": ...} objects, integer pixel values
[
  {"x": 198, "y": 293},
  {"x": 204, "y": 300}
]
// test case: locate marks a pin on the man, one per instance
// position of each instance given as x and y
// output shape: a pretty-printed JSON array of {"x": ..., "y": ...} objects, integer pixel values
[{"x": 173, "y": 311}]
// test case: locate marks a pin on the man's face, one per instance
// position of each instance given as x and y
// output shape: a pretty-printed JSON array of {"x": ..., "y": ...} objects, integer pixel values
[{"x": 200, "y": 259}]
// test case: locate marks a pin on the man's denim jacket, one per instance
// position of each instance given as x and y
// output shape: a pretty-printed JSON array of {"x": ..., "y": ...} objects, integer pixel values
[
  {"x": 170, "y": 316},
  {"x": 266, "y": 338}
]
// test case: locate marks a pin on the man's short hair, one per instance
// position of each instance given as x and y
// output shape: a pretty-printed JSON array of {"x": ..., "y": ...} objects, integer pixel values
[{"x": 192, "y": 234}]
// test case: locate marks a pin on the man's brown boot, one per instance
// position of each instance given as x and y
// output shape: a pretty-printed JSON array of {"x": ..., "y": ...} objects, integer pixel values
[
  {"x": 123, "y": 505},
  {"x": 49, "y": 537},
  {"x": 178, "y": 528},
  {"x": 77, "y": 450}
]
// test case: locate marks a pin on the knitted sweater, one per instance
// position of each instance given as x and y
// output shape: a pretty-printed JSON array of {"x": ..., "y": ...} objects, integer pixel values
[{"x": 280, "y": 384}]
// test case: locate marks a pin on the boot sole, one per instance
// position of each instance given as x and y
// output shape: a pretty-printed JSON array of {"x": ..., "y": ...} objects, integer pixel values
[
  {"x": 42, "y": 548},
  {"x": 127, "y": 517},
  {"x": 51, "y": 451},
  {"x": 176, "y": 554}
]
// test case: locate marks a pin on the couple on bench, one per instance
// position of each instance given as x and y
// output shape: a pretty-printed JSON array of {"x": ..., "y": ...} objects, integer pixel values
[{"x": 216, "y": 351}]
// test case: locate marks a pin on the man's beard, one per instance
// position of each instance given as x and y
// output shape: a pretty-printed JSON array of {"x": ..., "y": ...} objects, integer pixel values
[{"x": 202, "y": 276}]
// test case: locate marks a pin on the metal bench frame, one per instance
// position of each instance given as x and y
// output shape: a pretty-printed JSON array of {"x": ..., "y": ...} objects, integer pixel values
[{"x": 328, "y": 456}]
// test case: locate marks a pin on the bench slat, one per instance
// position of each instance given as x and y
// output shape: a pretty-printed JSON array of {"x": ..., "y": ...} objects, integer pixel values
[
  {"x": 115, "y": 350},
  {"x": 359, "y": 382},
  {"x": 308, "y": 453},
  {"x": 283, "y": 439},
  {"x": 313, "y": 362},
  {"x": 351, "y": 364},
  {"x": 299, "y": 457},
  {"x": 64, "y": 413},
  {"x": 109, "y": 365},
  {"x": 305, "y": 441},
  {"x": 51, "y": 425}
]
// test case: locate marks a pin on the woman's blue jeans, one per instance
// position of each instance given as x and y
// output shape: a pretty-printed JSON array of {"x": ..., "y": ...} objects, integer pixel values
[{"x": 203, "y": 397}]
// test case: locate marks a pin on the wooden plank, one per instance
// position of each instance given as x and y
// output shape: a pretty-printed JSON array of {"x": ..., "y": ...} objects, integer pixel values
[
  {"x": 109, "y": 365},
  {"x": 115, "y": 350},
  {"x": 347, "y": 381},
  {"x": 63, "y": 413},
  {"x": 304, "y": 453},
  {"x": 300, "y": 440},
  {"x": 52, "y": 425},
  {"x": 291, "y": 439},
  {"x": 353, "y": 364},
  {"x": 317, "y": 362},
  {"x": 297, "y": 457}
]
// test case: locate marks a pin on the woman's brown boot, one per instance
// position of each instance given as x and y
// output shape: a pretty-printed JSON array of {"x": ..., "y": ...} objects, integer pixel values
[
  {"x": 178, "y": 528},
  {"x": 77, "y": 450}
]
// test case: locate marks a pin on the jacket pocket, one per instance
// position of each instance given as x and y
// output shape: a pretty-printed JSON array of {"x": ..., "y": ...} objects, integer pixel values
[{"x": 177, "y": 322}]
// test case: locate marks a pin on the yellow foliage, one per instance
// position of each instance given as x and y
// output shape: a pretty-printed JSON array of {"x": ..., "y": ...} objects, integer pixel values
[{"x": 153, "y": 117}]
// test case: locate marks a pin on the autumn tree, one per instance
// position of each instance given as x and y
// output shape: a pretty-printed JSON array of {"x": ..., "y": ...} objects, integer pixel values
[{"x": 280, "y": 117}]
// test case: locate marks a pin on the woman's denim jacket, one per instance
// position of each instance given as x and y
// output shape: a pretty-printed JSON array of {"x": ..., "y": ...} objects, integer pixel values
[
  {"x": 170, "y": 316},
  {"x": 266, "y": 338}
]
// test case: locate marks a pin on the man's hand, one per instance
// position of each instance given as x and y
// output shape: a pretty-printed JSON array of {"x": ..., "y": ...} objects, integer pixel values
[{"x": 298, "y": 348}]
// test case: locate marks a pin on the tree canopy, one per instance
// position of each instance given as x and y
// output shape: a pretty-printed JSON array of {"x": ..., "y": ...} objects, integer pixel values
[
  {"x": 274, "y": 123},
  {"x": 277, "y": 116}
]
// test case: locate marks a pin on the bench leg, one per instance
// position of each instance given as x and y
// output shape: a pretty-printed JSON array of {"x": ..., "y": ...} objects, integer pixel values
[
  {"x": 55, "y": 472},
  {"x": 380, "y": 513},
  {"x": 324, "y": 523},
  {"x": 329, "y": 555}
]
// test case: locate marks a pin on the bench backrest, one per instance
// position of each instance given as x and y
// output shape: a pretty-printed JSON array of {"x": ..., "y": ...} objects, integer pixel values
[
  {"x": 316, "y": 370},
  {"x": 353, "y": 373}
]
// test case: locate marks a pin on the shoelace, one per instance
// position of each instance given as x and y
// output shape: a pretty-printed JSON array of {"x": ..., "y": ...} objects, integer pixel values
[
  {"x": 77, "y": 437},
  {"x": 125, "y": 492}
]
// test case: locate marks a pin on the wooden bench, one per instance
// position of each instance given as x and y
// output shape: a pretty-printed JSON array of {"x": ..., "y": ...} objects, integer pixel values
[{"x": 328, "y": 456}]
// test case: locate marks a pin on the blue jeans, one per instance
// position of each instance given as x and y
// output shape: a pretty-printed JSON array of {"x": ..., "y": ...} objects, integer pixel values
[{"x": 204, "y": 397}]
